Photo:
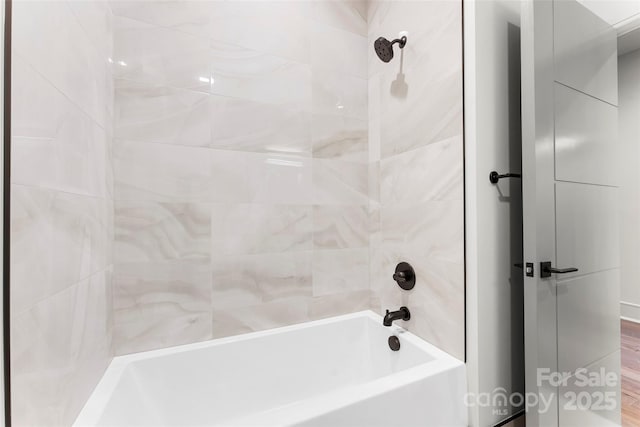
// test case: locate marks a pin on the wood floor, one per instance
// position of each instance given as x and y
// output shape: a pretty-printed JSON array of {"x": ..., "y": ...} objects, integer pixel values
[{"x": 630, "y": 344}]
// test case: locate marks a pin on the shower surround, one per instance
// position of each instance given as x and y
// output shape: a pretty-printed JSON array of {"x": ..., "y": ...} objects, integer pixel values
[
  {"x": 241, "y": 168},
  {"x": 268, "y": 169},
  {"x": 61, "y": 207}
]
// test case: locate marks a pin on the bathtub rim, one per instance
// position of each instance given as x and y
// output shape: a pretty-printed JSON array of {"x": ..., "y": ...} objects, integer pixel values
[{"x": 94, "y": 406}]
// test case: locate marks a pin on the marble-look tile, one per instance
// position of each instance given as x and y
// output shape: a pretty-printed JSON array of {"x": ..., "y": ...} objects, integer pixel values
[
  {"x": 161, "y": 304},
  {"x": 434, "y": 27},
  {"x": 436, "y": 302},
  {"x": 407, "y": 122},
  {"x": 232, "y": 175},
  {"x": 340, "y": 227},
  {"x": 60, "y": 349},
  {"x": 341, "y": 270},
  {"x": 160, "y": 56},
  {"x": 252, "y": 229},
  {"x": 416, "y": 192},
  {"x": 373, "y": 176},
  {"x": 189, "y": 16},
  {"x": 63, "y": 234},
  {"x": 251, "y": 280},
  {"x": 151, "y": 231},
  {"x": 433, "y": 172},
  {"x": 346, "y": 15},
  {"x": 339, "y": 50},
  {"x": 97, "y": 21},
  {"x": 432, "y": 229},
  {"x": 161, "y": 172},
  {"x": 248, "y": 74},
  {"x": 109, "y": 165},
  {"x": 49, "y": 37},
  {"x": 55, "y": 145},
  {"x": 339, "y": 303},
  {"x": 420, "y": 91},
  {"x": 280, "y": 179},
  {"x": 243, "y": 125},
  {"x": 238, "y": 320},
  {"x": 339, "y": 137},
  {"x": 339, "y": 183},
  {"x": 374, "y": 118},
  {"x": 151, "y": 113},
  {"x": 278, "y": 28},
  {"x": 336, "y": 93}
]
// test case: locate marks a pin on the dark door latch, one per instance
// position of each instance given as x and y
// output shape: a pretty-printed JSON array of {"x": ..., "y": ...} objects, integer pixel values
[
  {"x": 546, "y": 270},
  {"x": 494, "y": 176}
]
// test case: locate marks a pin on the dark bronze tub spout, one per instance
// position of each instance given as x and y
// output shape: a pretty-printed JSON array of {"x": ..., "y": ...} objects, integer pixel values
[{"x": 390, "y": 317}]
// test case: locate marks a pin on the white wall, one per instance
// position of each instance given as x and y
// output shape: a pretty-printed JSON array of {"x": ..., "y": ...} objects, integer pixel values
[
  {"x": 629, "y": 112},
  {"x": 493, "y": 212}
]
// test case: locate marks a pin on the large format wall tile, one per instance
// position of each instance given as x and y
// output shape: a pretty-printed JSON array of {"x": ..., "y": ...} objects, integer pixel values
[
  {"x": 339, "y": 50},
  {"x": 433, "y": 172},
  {"x": 63, "y": 234},
  {"x": 62, "y": 207},
  {"x": 340, "y": 227},
  {"x": 161, "y": 304},
  {"x": 259, "y": 76},
  {"x": 416, "y": 167},
  {"x": 55, "y": 145},
  {"x": 259, "y": 317},
  {"x": 152, "y": 113},
  {"x": 151, "y": 231},
  {"x": 420, "y": 91},
  {"x": 337, "y": 93},
  {"x": 245, "y": 125},
  {"x": 49, "y": 37},
  {"x": 189, "y": 16},
  {"x": 244, "y": 280},
  {"x": 321, "y": 166},
  {"x": 60, "y": 348},
  {"x": 339, "y": 183},
  {"x": 339, "y": 137},
  {"x": 280, "y": 179},
  {"x": 340, "y": 271},
  {"x": 252, "y": 229},
  {"x": 156, "y": 55},
  {"x": 350, "y": 15},
  {"x": 161, "y": 172},
  {"x": 276, "y": 27},
  {"x": 431, "y": 229}
]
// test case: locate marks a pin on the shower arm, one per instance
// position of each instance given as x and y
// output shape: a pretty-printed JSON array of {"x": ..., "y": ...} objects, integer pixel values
[{"x": 401, "y": 41}]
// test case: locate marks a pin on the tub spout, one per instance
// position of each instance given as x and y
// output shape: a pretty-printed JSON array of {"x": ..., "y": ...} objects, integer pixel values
[{"x": 403, "y": 314}]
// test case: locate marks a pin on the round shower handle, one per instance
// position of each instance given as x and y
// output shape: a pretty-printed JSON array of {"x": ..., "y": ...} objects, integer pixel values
[{"x": 405, "y": 276}]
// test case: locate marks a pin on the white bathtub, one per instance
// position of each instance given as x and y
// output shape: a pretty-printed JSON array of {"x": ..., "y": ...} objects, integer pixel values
[{"x": 329, "y": 373}]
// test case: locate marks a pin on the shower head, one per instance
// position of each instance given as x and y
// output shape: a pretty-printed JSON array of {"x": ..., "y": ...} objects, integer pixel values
[{"x": 384, "y": 47}]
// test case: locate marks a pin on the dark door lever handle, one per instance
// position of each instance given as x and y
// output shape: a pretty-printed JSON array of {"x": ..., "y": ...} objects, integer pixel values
[
  {"x": 494, "y": 176},
  {"x": 546, "y": 270}
]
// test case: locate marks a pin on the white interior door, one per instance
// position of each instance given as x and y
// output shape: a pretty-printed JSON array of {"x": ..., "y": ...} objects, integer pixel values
[{"x": 570, "y": 178}]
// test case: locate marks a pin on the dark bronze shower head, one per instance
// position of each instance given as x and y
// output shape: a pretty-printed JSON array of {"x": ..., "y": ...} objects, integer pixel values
[{"x": 384, "y": 47}]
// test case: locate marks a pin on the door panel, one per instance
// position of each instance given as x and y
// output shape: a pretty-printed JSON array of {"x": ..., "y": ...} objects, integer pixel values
[
  {"x": 569, "y": 416},
  {"x": 587, "y": 227},
  {"x": 588, "y": 325},
  {"x": 586, "y": 138},
  {"x": 569, "y": 203},
  {"x": 585, "y": 51}
]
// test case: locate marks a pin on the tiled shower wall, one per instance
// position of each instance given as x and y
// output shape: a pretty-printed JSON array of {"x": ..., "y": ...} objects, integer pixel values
[
  {"x": 241, "y": 167},
  {"x": 416, "y": 152},
  {"x": 268, "y": 169},
  {"x": 62, "y": 209}
]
